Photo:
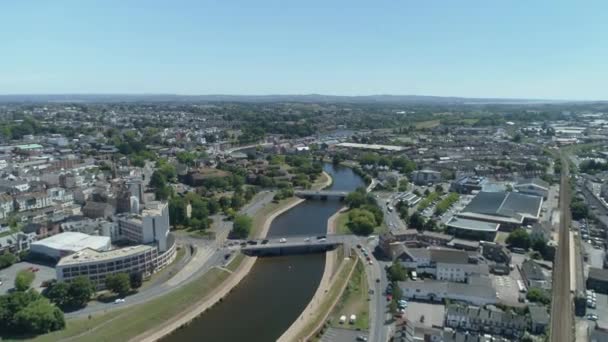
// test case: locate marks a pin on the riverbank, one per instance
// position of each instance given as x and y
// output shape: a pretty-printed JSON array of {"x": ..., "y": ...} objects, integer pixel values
[
  {"x": 224, "y": 289},
  {"x": 313, "y": 309}
]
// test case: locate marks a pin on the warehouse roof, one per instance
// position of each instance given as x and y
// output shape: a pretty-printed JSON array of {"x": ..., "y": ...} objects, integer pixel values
[
  {"x": 74, "y": 241},
  {"x": 505, "y": 204},
  {"x": 463, "y": 223}
]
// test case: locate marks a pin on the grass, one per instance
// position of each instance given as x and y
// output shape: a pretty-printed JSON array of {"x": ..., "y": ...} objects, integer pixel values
[
  {"x": 328, "y": 301},
  {"x": 178, "y": 256},
  {"x": 342, "y": 225},
  {"x": 427, "y": 124},
  {"x": 354, "y": 300},
  {"x": 125, "y": 324},
  {"x": 263, "y": 213},
  {"x": 236, "y": 262},
  {"x": 428, "y": 200}
]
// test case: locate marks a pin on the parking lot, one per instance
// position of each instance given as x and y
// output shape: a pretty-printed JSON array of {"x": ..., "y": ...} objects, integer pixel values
[
  {"x": 601, "y": 309},
  {"x": 426, "y": 314},
  {"x": 7, "y": 275},
  {"x": 506, "y": 287},
  {"x": 342, "y": 335}
]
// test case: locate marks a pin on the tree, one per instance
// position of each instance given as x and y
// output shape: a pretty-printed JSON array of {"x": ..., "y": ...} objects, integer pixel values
[
  {"x": 158, "y": 180},
  {"x": 579, "y": 209},
  {"x": 397, "y": 272},
  {"x": 80, "y": 291},
  {"x": 361, "y": 221},
  {"x": 537, "y": 295},
  {"x": 417, "y": 221},
  {"x": 242, "y": 226},
  {"x": 39, "y": 317},
  {"x": 24, "y": 280},
  {"x": 57, "y": 293},
  {"x": 136, "y": 280},
  {"x": 355, "y": 199},
  {"x": 439, "y": 188},
  {"x": 7, "y": 259},
  {"x": 118, "y": 283},
  {"x": 519, "y": 238}
]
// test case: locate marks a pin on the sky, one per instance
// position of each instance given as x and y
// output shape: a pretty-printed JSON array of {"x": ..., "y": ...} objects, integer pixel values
[{"x": 542, "y": 49}]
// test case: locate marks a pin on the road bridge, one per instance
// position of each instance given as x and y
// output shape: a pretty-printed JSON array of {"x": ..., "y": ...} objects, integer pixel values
[
  {"x": 296, "y": 245},
  {"x": 322, "y": 194}
]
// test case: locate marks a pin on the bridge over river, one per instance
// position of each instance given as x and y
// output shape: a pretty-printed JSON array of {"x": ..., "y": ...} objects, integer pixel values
[
  {"x": 297, "y": 244},
  {"x": 321, "y": 194}
]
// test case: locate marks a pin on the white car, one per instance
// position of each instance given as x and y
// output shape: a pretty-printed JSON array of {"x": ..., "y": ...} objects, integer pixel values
[
  {"x": 592, "y": 317},
  {"x": 119, "y": 300},
  {"x": 282, "y": 240}
]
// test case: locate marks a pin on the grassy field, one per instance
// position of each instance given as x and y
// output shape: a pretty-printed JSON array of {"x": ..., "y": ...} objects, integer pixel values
[
  {"x": 124, "y": 324},
  {"x": 236, "y": 262},
  {"x": 342, "y": 225},
  {"x": 340, "y": 279},
  {"x": 427, "y": 124},
  {"x": 353, "y": 301},
  {"x": 262, "y": 214}
]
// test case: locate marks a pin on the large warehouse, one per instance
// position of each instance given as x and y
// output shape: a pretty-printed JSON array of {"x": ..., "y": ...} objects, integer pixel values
[
  {"x": 60, "y": 245},
  {"x": 509, "y": 209}
]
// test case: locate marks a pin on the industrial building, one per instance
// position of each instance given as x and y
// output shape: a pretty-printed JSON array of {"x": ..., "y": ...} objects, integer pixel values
[
  {"x": 509, "y": 209},
  {"x": 66, "y": 243}
]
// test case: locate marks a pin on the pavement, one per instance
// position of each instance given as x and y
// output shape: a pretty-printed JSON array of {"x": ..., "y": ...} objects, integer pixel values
[
  {"x": 342, "y": 335},
  {"x": 8, "y": 275}
]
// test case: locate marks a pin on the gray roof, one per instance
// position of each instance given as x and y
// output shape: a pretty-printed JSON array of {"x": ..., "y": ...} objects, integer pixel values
[
  {"x": 532, "y": 270},
  {"x": 449, "y": 256},
  {"x": 508, "y": 204},
  {"x": 468, "y": 224},
  {"x": 598, "y": 273},
  {"x": 533, "y": 181},
  {"x": 539, "y": 314}
]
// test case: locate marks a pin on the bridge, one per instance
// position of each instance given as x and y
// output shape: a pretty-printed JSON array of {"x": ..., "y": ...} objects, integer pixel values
[
  {"x": 323, "y": 194},
  {"x": 296, "y": 245}
]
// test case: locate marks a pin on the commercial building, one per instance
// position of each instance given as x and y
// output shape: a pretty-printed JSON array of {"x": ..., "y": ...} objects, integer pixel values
[
  {"x": 533, "y": 186},
  {"x": 423, "y": 177},
  {"x": 66, "y": 243},
  {"x": 443, "y": 264},
  {"x": 151, "y": 226},
  {"x": 533, "y": 275},
  {"x": 468, "y": 184},
  {"x": 478, "y": 290},
  {"x": 509, "y": 209},
  {"x": 96, "y": 265},
  {"x": 472, "y": 229},
  {"x": 598, "y": 280},
  {"x": 373, "y": 147}
]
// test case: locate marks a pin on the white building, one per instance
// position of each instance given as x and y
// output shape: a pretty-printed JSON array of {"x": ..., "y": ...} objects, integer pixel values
[
  {"x": 535, "y": 186},
  {"x": 478, "y": 291},
  {"x": 444, "y": 264},
  {"x": 32, "y": 200},
  {"x": 66, "y": 243},
  {"x": 6, "y": 205},
  {"x": 152, "y": 226}
]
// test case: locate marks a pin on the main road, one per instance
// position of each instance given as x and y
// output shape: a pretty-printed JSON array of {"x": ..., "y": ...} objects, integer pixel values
[{"x": 561, "y": 308}]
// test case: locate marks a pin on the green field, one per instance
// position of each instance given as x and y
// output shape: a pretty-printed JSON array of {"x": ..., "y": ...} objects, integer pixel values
[
  {"x": 122, "y": 325},
  {"x": 353, "y": 301}
]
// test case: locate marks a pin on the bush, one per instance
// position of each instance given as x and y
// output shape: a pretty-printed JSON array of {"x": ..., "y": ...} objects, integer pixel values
[
  {"x": 24, "y": 280},
  {"x": 519, "y": 238},
  {"x": 118, "y": 283},
  {"x": 7, "y": 259},
  {"x": 242, "y": 226}
]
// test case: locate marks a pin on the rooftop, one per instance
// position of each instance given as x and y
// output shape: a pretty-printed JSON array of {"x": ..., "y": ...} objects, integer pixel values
[
  {"x": 468, "y": 224},
  {"x": 74, "y": 241},
  {"x": 91, "y": 255},
  {"x": 372, "y": 146},
  {"x": 598, "y": 273},
  {"x": 505, "y": 204}
]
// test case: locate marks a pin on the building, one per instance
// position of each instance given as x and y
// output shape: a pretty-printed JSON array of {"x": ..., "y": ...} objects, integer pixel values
[
  {"x": 32, "y": 200},
  {"x": 472, "y": 229},
  {"x": 533, "y": 275},
  {"x": 66, "y": 243},
  {"x": 495, "y": 252},
  {"x": 597, "y": 333},
  {"x": 6, "y": 206},
  {"x": 486, "y": 321},
  {"x": 97, "y": 210},
  {"x": 443, "y": 264},
  {"x": 17, "y": 242},
  {"x": 424, "y": 177},
  {"x": 533, "y": 186},
  {"x": 468, "y": 184},
  {"x": 478, "y": 291},
  {"x": 539, "y": 319},
  {"x": 152, "y": 226},
  {"x": 97, "y": 265},
  {"x": 598, "y": 280},
  {"x": 509, "y": 209}
]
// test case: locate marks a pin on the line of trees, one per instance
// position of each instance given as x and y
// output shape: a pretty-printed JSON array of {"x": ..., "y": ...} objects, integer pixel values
[{"x": 364, "y": 214}]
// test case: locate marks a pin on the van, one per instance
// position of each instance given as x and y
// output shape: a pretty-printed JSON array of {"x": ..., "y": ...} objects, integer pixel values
[{"x": 414, "y": 276}]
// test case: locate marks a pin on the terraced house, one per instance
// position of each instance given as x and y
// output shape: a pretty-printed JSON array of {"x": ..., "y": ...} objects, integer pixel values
[{"x": 487, "y": 321}]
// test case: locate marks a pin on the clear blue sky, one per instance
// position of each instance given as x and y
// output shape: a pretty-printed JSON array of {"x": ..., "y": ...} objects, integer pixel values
[{"x": 527, "y": 49}]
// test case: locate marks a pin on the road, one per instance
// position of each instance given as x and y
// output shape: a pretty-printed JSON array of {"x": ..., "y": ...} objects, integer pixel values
[
  {"x": 208, "y": 254},
  {"x": 561, "y": 308}
]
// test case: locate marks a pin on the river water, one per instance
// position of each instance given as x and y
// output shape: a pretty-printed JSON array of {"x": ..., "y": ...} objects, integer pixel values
[{"x": 276, "y": 291}]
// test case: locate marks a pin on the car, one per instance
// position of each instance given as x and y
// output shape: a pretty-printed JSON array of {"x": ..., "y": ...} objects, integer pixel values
[
  {"x": 265, "y": 241},
  {"x": 377, "y": 280},
  {"x": 389, "y": 297},
  {"x": 370, "y": 262},
  {"x": 359, "y": 245},
  {"x": 361, "y": 338},
  {"x": 592, "y": 317},
  {"x": 307, "y": 240},
  {"x": 227, "y": 256},
  {"x": 321, "y": 237},
  {"x": 321, "y": 240},
  {"x": 252, "y": 242},
  {"x": 119, "y": 300},
  {"x": 282, "y": 240}
]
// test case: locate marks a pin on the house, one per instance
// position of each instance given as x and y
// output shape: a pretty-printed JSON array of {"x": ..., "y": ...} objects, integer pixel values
[
  {"x": 486, "y": 321},
  {"x": 32, "y": 200},
  {"x": 97, "y": 210},
  {"x": 533, "y": 275},
  {"x": 468, "y": 184},
  {"x": 17, "y": 242},
  {"x": 539, "y": 319},
  {"x": 6, "y": 206},
  {"x": 533, "y": 186}
]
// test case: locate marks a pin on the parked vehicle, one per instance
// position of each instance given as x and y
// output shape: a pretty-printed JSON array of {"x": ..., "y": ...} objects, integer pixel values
[{"x": 282, "y": 240}]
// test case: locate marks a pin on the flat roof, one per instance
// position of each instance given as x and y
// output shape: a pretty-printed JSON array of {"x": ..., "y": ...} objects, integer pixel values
[
  {"x": 372, "y": 146},
  {"x": 90, "y": 255},
  {"x": 476, "y": 225},
  {"x": 507, "y": 204},
  {"x": 74, "y": 241}
]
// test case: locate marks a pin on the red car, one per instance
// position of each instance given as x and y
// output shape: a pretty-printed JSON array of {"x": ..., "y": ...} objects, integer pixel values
[{"x": 389, "y": 298}]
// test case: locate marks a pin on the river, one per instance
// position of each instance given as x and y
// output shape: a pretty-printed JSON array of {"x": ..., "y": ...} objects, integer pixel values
[{"x": 276, "y": 291}]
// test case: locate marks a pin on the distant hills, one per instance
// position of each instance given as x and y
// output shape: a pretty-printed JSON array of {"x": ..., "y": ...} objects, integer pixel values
[{"x": 310, "y": 98}]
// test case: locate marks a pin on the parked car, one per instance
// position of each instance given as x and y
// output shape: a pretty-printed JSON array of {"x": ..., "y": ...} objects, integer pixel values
[
  {"x": 282, "y": 240},
  {"x": 592, "y": 317}
]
